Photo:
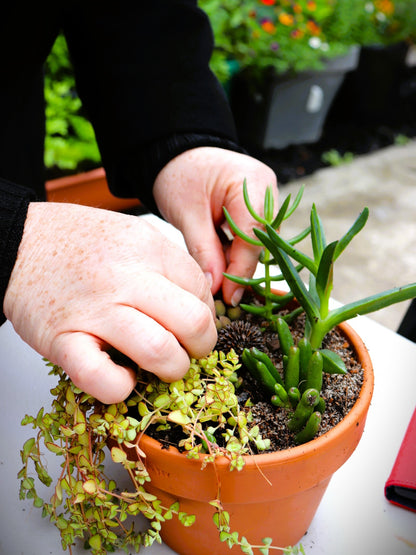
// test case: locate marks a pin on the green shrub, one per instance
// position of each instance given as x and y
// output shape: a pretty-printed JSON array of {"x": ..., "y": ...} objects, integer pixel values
[{"x": 70, "y": 140}]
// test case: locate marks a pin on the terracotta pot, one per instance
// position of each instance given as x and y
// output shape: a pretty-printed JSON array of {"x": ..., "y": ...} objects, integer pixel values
[
  {"x": 88, "y": 188},
  {"x": 275, "y": 495}
]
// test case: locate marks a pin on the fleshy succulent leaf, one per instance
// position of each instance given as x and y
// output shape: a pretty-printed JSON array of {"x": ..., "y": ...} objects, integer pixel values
[
  {"x": 273, "y": 241},
  {"x": 268, "y": 204},
  {"x": 371, "y": 304},
  {"x": 295, "y": 283},
  {"x": 238, "y": 231},
  {"x": 317, "y": 234},
  {"x": 281, "y": 214},
  {"x": 250, "y": 206},
  {"x": 324, "y": 276}
]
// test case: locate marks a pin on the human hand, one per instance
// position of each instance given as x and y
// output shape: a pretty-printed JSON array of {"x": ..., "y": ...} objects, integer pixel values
[
  {"x": 190, "y": 192},
  {"x": 86, "y": 279}
]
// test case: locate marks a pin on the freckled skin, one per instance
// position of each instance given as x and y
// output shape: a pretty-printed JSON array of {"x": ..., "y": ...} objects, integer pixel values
[
  {"x": 113, "y": 280},
  {"x": 87, "y": 278},
  {"x": 207, "y": 179}
]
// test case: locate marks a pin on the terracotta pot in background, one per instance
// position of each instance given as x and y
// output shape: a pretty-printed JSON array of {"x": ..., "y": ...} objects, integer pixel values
[
  {"x": 88, "y": 188},
  {"x": 275, "y": 495}
]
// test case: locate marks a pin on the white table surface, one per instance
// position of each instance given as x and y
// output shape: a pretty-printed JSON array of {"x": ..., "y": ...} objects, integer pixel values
[{"x": 353, "y": 518}]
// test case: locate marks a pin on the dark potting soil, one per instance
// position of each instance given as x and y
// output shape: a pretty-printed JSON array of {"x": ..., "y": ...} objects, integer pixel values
[{"x": 339, "y": 391}]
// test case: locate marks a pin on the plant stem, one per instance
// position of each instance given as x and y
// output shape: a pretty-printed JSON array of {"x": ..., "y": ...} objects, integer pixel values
[{"x": 267, "y": 288}]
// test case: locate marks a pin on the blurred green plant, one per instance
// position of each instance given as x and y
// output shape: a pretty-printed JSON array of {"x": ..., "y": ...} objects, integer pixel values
[
  {"x": 401, "y": 139},
  {"x": 293, "y": 36},
  {"x": 70, "y": 140},
  {"x": 335, "y": 158},
  {"x": 288, "y": 36},
  {"x": 386, "y": 22}
]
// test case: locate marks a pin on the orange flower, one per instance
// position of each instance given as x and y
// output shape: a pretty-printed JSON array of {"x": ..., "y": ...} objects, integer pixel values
[
  {"x": 297, "y": 8},
  {"x": 269, "y": 27},
  {"x": 385, "y": 6},
  {"x": 311, "y": 5},
  {"x": 286, "y": 19},
  {"x": 313, "y": 28}
]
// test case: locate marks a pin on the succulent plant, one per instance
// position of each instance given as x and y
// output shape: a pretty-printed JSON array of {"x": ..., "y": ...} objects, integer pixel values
[
  {"x": 86, "y": 504},
  {"x": 304, "y": 363}
]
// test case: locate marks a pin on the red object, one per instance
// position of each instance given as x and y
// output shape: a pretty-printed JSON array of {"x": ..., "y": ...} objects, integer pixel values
[{"x": 400, "y": 487}]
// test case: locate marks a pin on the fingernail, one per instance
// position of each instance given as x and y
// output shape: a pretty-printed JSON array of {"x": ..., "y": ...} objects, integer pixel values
[
  {"x": 208, "y": 277},
  {"x": 236, "y": 298}
]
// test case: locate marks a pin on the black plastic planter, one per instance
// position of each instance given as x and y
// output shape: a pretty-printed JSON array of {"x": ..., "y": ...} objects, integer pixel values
[{"x": 287, "y": 110}]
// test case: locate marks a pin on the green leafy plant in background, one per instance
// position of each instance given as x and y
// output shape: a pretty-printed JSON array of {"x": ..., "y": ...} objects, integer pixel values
[
  {"x": 386, "y": 22},
  {"x": 335, "y": 158},
  {"x": 70, "y": 140},
  {"x": 260, "y": 34},
  {"x": 401, "y": 139},
  {"x": 287, "y": 36}
]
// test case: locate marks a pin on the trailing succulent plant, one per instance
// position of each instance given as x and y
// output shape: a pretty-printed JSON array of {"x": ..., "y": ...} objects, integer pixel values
[
  {"x": 204, "y": 405},
  {"x": 86, "y": 504}
]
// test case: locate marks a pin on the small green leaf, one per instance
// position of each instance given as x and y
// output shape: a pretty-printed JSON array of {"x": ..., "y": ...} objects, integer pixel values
[
  {"x": 28, "y": 483},
  {"x": 28, "y": 447},
  {"x": 324, "y": 275},
  {"x": 54, "y": 448},
  {"x": 333, "y": 363},
  {"x": 245, "y": 546},
  {"x": 317, "y": 234},
  {"x": 238, "y": 231},
  {"x": 118, "y": 455},
  {"x": 90, "y": 486},
  {"x": 281, "y": 214},
  {"x": 95, "y": 542},
  {"x": 178, "y": 417},
  {"x": 186, "y": 520},
  {"x": 249, "y": 206},
  {"x": 268, "y": 204},
  {"x": 80, "y": 428},
  {"x": 38, "y": 502}
]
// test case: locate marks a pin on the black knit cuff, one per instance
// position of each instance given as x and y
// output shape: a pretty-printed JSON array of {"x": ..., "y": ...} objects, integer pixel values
[
  {"x": 14, "y": 202},
  {"x": 151, "y": 160}
]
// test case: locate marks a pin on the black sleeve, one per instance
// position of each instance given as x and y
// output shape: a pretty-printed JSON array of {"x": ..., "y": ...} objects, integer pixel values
[
  {"x": 143, "y": 74},
  {"x": 14, "y": 202}
]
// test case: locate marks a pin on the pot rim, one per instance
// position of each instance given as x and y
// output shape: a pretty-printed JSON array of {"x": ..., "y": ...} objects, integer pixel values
[{"x": 355, "y": 416}]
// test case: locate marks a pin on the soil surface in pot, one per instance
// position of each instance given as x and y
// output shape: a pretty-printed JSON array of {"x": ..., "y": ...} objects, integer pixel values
[{"x": 339, "y": 391}]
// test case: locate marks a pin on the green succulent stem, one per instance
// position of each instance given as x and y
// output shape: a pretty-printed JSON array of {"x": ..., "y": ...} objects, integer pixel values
[
  {"x": 305, "y": 362},
  {"x": 367, "y": 305}
]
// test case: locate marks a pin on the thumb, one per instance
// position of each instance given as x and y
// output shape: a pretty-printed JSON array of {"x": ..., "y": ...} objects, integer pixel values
[{"x": 91, "y": 369}]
